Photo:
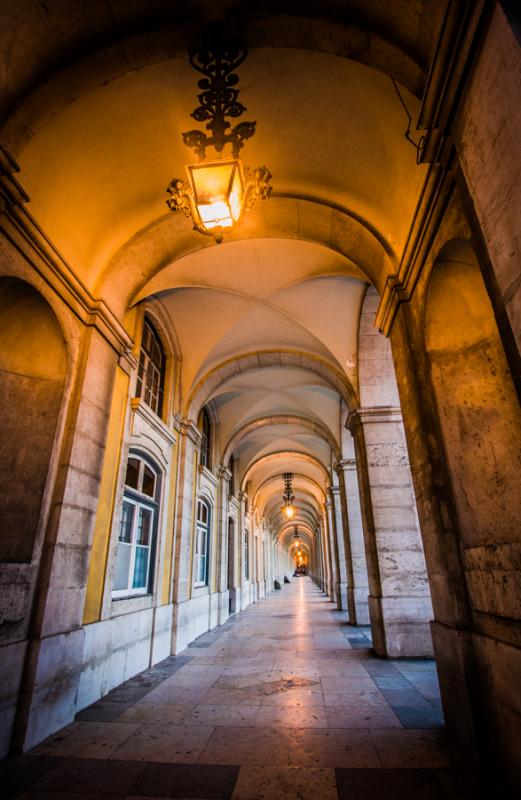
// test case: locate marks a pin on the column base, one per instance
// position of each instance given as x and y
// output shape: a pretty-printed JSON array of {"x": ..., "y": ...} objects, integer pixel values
[{"x": 400, "y": 626}]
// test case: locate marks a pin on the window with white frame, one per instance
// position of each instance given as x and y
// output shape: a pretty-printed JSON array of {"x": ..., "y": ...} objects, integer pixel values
[
  {"x": 137, "y": 529},
  {"x": 202, "y": 543},
  {"x": 151, "y": 369}
]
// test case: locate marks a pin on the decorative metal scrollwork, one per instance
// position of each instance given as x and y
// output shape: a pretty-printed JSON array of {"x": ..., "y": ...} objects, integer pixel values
[{"x": 219, "y": 99}]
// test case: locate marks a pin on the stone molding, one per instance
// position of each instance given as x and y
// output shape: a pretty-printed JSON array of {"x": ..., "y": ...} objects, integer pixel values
[
  {"x": 224, "y": 473},
  {"x": 190, "y": 429},
  {"x": 22, "y": 229},
  {"x": 155, "y": 422},
  {"x": 344, "y": 465},
  {"x": 208, "y": 475},
  {"x": 364, "y": 416},
  {"x": 457, "y": 41}
]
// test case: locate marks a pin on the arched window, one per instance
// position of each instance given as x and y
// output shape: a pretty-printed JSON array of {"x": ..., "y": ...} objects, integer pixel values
[
  {"x": 202, "y": 543},
  {"x": 137, "y": 530},
  {"x": 246, "y": 556},
  {"x": 151, "y": 370},
  {"x": 206, "y": 430}
]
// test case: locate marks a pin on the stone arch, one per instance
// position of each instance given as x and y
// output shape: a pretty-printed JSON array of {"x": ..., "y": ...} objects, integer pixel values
[
  {"x": 274, "y": 478},
  {"x": 207, "y": 385},
  {"x": 385, "y": 47},
  {"x": 295, "y": 454},
  {"x": 33, "y": 374},
  {"x": 477, "y": 405},
  {"x": 285, "y": 419},
  {"x": 169, "y": 239}
]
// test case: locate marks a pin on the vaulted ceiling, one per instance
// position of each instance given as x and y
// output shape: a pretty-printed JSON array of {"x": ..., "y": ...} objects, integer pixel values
[{"x": 95, "y": 97}]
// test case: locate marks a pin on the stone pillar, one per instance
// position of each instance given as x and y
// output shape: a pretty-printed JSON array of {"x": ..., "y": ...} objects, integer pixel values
[
  {"x": 399, "y": 602},
  {"x": 55, "y": 649},
  {"x": 358, "y": 588},
  {"x": 338, "y": 537},
  {"x": 327, "y": 560},
  {"x": 189, "y": 450},
  {"x": 333, "y": 557},
  {"x": 223, "y": 613}
]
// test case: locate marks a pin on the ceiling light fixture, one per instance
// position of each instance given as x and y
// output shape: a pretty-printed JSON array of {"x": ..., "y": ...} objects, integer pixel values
[
  {"x": 220, "y": 190},
  {"x": 288, "y": 497}
]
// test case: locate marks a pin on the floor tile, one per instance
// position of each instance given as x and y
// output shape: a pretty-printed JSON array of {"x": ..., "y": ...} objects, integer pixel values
[
  {"x": 333, "y": 748},
  {"x": 87, "y": 739},
  {"x": 291, "y": 716},
  {"x": 168, "y": 743},
  {"x": 391, "y": 784},
  {"x": 157, "y": 712},
  {"x": 186, "y": 781},
  {"x": 237, "y": 716},
  {"x": 86, "y": 776},
  {"x": 412, "y": 748},
  {"x": 255, "y": 746},
  {"x": 272, "y": 783}
]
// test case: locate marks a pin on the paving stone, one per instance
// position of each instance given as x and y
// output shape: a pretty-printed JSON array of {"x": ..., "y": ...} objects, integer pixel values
[
  {"x": 85, "y": 776},
  {"x": 186, "y": 781},
  {"x": 391, "y": 784}
]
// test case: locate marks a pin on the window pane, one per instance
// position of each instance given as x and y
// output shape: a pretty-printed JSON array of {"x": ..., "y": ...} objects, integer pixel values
[
  {"x": 141, "y": 568},
  {"x": 127, "y": 519},
  {"x": 149, "y": 481},
  {"x": 132, "y": 476},
  {"x": 202, "y": 570},
  {"x": 144, "y": 526},
  {"x": 122, "y": 566}
]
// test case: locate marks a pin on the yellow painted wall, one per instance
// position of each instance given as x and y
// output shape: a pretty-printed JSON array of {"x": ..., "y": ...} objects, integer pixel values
[{"x": 101, "y": 540}]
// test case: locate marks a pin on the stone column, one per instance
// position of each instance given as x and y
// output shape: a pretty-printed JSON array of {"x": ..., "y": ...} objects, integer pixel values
[
  {"x": 357, "y": 583},
  {"x": 55, "y": 649},
  {"x": 327, "y": 559},
  {"x": 340, "y": 550},
  {"x": 189, "y": 451},
  {"x": 224, "y": 476},
  {"x": 399, "y": 602},
  {"x": 333, "y": 551}
]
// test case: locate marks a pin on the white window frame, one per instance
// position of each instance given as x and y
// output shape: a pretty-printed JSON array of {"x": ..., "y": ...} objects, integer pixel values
[
  {"x": 141, "y": 503},
  {"x": 202, "y": 554}
]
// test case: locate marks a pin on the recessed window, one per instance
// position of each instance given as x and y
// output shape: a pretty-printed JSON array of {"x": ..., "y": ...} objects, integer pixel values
[
  {"x": 202, "y": 544},
  {"x": 133, "y": 573},
  {"x": 206, "y": 430},
  {"x": 150, "y": 376}
]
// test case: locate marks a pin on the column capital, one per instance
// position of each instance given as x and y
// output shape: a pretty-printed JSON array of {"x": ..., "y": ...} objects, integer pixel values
[
  {"x": 345, "y": 464},
  {"x": 224, "y": 473},
  {"x": 364, "y": 416},
  {"x": 190, "y": 429}
]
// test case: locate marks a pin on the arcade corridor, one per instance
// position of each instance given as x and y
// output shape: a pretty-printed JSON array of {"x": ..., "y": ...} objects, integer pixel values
[{"x": 284, "y": 701}]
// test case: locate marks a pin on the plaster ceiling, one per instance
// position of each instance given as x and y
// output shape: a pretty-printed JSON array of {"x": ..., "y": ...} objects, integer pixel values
[
  {"x": 99, "y": 96},
  {"x": 328, "y": 128}
]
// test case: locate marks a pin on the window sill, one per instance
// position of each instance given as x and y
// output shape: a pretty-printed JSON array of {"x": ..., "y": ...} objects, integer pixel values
[
  {"x": 198, "y": 591},
  {"x": 129, "y": 605},
  {"x": 151, "y": 418}
]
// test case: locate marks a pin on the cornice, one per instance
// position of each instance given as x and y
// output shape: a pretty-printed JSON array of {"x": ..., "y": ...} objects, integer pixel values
[
  {"x": 369, "y": 414},
  {"x": 462, "y": 29}
]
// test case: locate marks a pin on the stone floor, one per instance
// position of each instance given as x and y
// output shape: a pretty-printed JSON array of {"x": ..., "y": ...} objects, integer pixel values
[{"x": 284, "y": 701}]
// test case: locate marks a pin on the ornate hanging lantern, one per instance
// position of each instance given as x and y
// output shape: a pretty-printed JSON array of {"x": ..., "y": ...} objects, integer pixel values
[
  {"x": 218, "y": 191},
  {"x": 288, "y": 497}
]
